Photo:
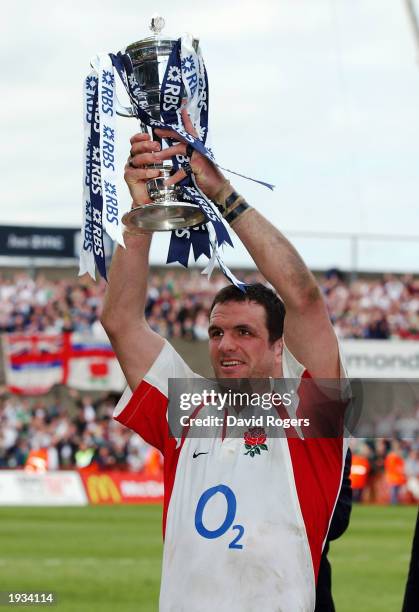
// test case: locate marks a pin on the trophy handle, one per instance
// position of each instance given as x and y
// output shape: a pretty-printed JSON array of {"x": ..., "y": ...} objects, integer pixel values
[{"x": 123, "y": 111}]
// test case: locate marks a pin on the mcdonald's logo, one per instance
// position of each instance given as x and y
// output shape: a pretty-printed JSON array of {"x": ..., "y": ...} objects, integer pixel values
[{"x": 102, "y": 489}]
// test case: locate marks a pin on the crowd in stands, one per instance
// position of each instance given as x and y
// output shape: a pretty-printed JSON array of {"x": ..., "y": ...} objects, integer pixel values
[
  {"x": 383, "y": 308},
  {"x": 393, "y": 462},
  {"x": 77, "y": 435},
  {"x": 178, "y": 304}
]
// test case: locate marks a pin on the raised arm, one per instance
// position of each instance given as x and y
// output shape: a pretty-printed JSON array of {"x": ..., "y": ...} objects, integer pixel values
[{"x": 136, "y": 345}]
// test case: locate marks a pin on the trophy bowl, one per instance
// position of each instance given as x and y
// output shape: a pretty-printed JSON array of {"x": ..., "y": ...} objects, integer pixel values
[{"x": 168, "y": 211}]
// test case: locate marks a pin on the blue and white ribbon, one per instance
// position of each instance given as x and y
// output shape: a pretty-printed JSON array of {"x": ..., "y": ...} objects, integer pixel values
[
  {"x": 87, "y": 260},
  {"x": 195, "y": 237},
  {"x": 208, "y": 270},
  {"x": 107, "y": 115},
  {"x": 203, "y": 102},
  {"x": 95, "y": 188},
  {"x": 190, "y": 77},
  {"x": 185, "y": 74}
]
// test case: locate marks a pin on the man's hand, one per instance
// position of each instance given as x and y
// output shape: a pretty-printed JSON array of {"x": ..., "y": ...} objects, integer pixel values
[
  {"x": 144, "y": 151},
  {"x": 136, "y": 175}
]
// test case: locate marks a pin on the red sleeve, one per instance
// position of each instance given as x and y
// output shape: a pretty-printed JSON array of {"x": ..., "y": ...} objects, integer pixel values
[
  {"x": 145, "y": 410},
  {"x": 145, "y": 414}
]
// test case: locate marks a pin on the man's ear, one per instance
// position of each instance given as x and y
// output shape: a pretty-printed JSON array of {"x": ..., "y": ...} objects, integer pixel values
[{"x": 278, "y": 346}]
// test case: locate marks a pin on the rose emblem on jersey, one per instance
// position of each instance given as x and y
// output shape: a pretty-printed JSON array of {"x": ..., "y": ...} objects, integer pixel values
[{"x": 254, "y": 441}]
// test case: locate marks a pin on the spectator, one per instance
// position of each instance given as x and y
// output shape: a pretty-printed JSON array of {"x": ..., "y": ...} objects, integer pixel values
[
  {"x": 412, "y": 474},
  {"x": 379, "y": 451},
  {"x": 360, "y": 470},
  {"x": 395, "y": 471},
  {"x": 84, "y": 454}
]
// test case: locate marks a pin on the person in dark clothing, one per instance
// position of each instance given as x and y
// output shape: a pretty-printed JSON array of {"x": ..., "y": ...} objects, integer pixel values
[
  {"x": 411, "y": 596},
  {"x": 338, "y": 525}
]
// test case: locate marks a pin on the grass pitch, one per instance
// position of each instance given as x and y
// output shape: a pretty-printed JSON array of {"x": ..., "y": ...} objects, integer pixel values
[{"x": 109, "y": 557}]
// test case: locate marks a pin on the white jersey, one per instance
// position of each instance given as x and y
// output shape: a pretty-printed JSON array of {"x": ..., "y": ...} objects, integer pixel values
[{"x": 242, "y": 533}]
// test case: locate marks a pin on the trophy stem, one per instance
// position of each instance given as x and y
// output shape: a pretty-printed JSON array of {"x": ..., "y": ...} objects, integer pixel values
[{"x": 158, "y": 191}]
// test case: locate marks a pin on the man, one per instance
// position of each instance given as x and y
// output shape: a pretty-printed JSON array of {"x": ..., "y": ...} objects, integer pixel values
[
  {"x": 242, "y": 531},
  {"x": 411, "y": 596}
]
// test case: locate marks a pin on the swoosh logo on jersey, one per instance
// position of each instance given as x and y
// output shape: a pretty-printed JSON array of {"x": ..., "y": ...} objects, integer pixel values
[{"x": 195, "y": 455}]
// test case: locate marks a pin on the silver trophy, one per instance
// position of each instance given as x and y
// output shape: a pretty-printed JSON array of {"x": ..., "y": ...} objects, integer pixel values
[{"x": 168, "y": 211}]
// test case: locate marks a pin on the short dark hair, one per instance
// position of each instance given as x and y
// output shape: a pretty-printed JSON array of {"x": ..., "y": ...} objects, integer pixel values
[{"x": 273, "y": 305}]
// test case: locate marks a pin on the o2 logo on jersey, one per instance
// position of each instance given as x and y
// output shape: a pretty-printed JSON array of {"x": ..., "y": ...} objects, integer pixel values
[{"x": 211, "y": 534}]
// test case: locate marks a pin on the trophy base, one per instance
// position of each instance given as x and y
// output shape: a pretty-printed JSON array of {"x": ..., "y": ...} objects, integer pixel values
[{"x": 162, "y": 217}]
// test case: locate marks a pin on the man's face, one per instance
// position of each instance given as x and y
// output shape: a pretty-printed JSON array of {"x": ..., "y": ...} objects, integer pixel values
[{"x": 239, "y": 342}]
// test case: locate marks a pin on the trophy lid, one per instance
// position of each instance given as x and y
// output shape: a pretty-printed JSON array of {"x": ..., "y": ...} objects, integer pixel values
[
  {"x": 155, "y": 44},
  {"x": 152, "y": 45}
]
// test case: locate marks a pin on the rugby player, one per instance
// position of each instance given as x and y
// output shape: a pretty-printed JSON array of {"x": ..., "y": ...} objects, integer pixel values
[{"x": 242, "y": 532}]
